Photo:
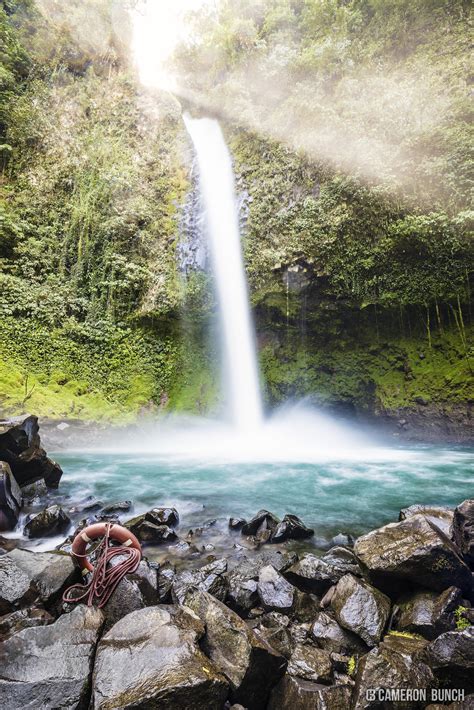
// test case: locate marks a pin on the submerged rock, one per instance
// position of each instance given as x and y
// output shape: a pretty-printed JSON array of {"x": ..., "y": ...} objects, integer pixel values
[
  {"x": 428, "y": 613},
  {"x": 50, "y": 521},
  {"x": 297, "y": 694},
  {"x": 463, "y": 530},
  {"x": 275, "y": 593},
  {"x": 413, "y": 551},
  {"x": 168, "y": 670},
  {"x": 250, "y": 665},
  {"x": 49, "y": 667},
  {"x": 20, "y": 447},
  {"x": 291, "y": 528},
  {"x": 10, "y": 498},
  {"x": 237, "y": 523},
  {"x": 360, "y": 608}
]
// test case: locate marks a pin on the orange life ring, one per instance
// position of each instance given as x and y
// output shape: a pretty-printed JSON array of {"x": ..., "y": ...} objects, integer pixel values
[{"x": 91, "y": 533}]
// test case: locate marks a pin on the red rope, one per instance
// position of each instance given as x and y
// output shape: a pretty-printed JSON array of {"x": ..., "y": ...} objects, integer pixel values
[{"x": 105, "y": 578}]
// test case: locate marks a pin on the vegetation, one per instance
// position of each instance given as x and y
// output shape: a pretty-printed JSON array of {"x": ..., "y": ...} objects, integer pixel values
[{"x": 461, "y": 621}]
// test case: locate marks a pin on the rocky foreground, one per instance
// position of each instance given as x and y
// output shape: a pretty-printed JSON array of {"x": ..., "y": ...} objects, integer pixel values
[{"x": 263, "y": 626}]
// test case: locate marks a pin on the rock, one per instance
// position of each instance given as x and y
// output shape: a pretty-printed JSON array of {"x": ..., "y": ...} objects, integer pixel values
[
  {"x": 439, "y": 515},
  {"x": 275, "y": 593},
  {"x": 16, "y": 587},
  {"x": 250, "y": 665},
  {"x": 262, "y": 521},
  {"x": 306, "y": 606},
  {"x": 49, "y": 573},
  {"x": 168, "y": 671},
  {"x": 209, "y": 578},
  {"x": 243, "y": 596},
  {"x": 10, "y": 498},
  {"x": 49, "y": 667},
  {"x": 20, "y": 447},
  {"x": 155, "y": 534},
  {"x": 451, "y": 658},
  {"x": 342, "y": 558},
  {"x": 296, "y": 694},
  {"x": 413, "y": 551},
  {"x": 310, "y": 663},
  {"x": 313, "y": 574},
  {"x": 360, "y": 608},
  {"x": 463, "y": 530},
  {"x": 23, "y": 619},
  {"x": 35, "y": 492},
  {"x": 121, "y": 507},
  {"x": 396, "y": 663},
  {"x": 50, "y": 521},
  {"x": 274, "y": 629},
  {"x": 291, "y": 528},
  {"x": 146, "y": 578},
  {"x": 156, "y": 516},
  {"x": 428, "y": 613},
  {"x": 125, "y": 599},
  {"x": 88, "y": 505},
  {"x": 330, "y": 636},
  {"x": 237, "y": 523},
  {"x": 166, "y": 575},
  {"x": 342, "y": 540}
]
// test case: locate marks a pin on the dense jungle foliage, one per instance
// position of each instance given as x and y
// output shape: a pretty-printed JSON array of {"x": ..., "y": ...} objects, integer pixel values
[{"x": 350, "y": 127}]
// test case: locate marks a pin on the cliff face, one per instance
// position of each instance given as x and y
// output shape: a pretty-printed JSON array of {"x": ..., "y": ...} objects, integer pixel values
[{"x": 361, "y": 299}]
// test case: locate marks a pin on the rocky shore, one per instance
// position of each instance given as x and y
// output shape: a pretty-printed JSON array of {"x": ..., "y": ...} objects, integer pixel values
[{"x": 272, "y": 623}]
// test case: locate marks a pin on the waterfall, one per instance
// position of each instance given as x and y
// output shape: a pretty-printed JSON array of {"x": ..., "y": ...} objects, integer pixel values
[{"x": 216, "y": 179}]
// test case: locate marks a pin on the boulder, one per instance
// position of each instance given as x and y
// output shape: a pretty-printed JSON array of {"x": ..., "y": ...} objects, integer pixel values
[
  {"x": 439, "y": 515},
  {"x": 342, "y": 558},
  {"x": 156, "y": 516},
  {"x": 275, "y": 593},
  {"x": 250, "y": 665},
  {"x": 122, "y": 506},
  {"x": 50, "y": 521},
  {"x": 395, "y": 663},
  {"x": 306, "y": 606},
  {"x": 291, "y": 528},
  {"x": 412, "y": 551},
  {"x": 16, "y": 588},
  {"x": 463, "y": 530},
  {"x": 261, "y": 522},
  {"x": 49, "y": 667},
  {"x": 296, "y": 694},
  {"x": 151, "y": 658},
  {"x": 360, "y": 608},
  {"x": 23, "y": 619},
  {"x": 209, "y": 578},
  {"x": 342, "y": 540},
  {"x": 313, "y": 574},
  {"x": 237, "y": 523},
  {"x": 155, "y": 534},
  {"x": 327, "y": 634},
  {"x": 242, "y": 595},
  {"x": 451, "y": 658},
  {"x": 166, "y": 575},
  {"x": 275, "y": 630},
  {"x": 49, "y": 573},
  {"x": 310, "y": 663},
  {"x": 428, "y": 613},
  {"x": 125, "y": 599},
  {"x": 10, "y": 498},
  {"x": 20, "y": 447}
]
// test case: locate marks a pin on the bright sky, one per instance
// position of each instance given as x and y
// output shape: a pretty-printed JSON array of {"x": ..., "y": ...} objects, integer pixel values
[{"x": 158, "y": 26}]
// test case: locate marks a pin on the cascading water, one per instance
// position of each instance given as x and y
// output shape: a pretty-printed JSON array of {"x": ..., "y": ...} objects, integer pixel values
[{"x": 218, "y": 193}]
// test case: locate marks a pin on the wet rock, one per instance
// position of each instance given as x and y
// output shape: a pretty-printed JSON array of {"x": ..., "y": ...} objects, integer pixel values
[
  {"x": 296, "y": 694},
  {"x": 35, "y": 492},
  {"x": 395, "y": 663},
  {"x": 122, "y": 506},
  {"x": 463, "y": 530},
  {"x": 428, "y": 613},
  {"x": 88, "y": 505},
  {"x": 209, "y": 578},
  {"x": 168, "y": 670},
  {"x": 274, "y": 629},
  {"x": 313, "y": 574},
  {"x": 125, "y": 599},
  {"x": 310, "y": 663},
  {"x": 306, "y": 606},
  {"x": 414, "y": 551},
  {"x": 155, "y": 534},
  {"x": 23, "y": 619},
  {"x": 20, "y": 447},
  {"x": 49, "y": 573},
  {"x": 50, "y": 521},
  {"x": 300, "y": 633},
  {"x": 262, "y": 521},
  {"x": 360, "y": 608},
  {"x": 342, "y": 540},
  {"x": 242, "y": 595},
  {"x": 250, "y": 665},
  {"x": 10, "y": 498},
  {"x": 342, "y": 558},
  {"x": 291, "y": 528},
  {"x": 327, "y": 634},
  {"x": 237, "y": 523},
  {"x": 49, "y": 666},
  {"x": 451, "y": 658},
  {"x": 275, "y": 593},
  {"x": 439, "y": 515},
  {"x": 146, "y": 578},
  {"x": 166, "y": 575}
]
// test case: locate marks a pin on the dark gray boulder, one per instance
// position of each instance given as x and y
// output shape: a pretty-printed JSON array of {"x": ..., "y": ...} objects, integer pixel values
[
  {"x": 251, "y": 666},
  {"x": 360, "y": 608},
  {"x": 291, "y": 528},
  {"x": 209, "y": 578},
  {"x": 10, "y": 498},
  {"x": 16, "y": 588},
  {"x": 20, "y": 447},
  {"x": 261, "y": 522},
  {"x": 23, "y": 619},
  {"x": 451, "y": 658},
  {"x": 49, "y": 573},
  {"x": 297, "y": 694},
  {"x": 428, "y": 613},
  {"x": 123, "y": 506},
  {"x": 156, "y": 516},
  {"x": 463, "y": 530},
  {"x": 242, "y": 595},
  {"x": 275, "y": 630},
  {"x": 155, "y": 534},
  {"x": 313, "y": 574},
  {"x": 166, "y": 576},
  {"x": 275, "y": 593},
  {"x": 395, "y": 663},
  {"x": 439, "y": 515},
  {"x": 49, "y": 667},
  {"x": 412, "y": 551},
  {"x": 151, "y": 658},
  {"x": 306, "y": 606},
  {"x": 125, "y": 599},
  {"x": 50, "y": 521},
  {"x": 310, "y": 663},
  {"x": 237, "y": 523},
  {"x": 343, "y": 559},
  {"x": 327, "y": 634}
]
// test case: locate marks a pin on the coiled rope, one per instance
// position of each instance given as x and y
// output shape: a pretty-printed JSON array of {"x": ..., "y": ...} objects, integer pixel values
[{"x": 105, "y": 577}]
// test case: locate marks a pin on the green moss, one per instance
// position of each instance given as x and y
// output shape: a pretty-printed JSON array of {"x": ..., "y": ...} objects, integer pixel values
[
  {"x": 351, "y": 666},
  {"x": 404, "y": 634},
  {"x": 461, "y": 621}
]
